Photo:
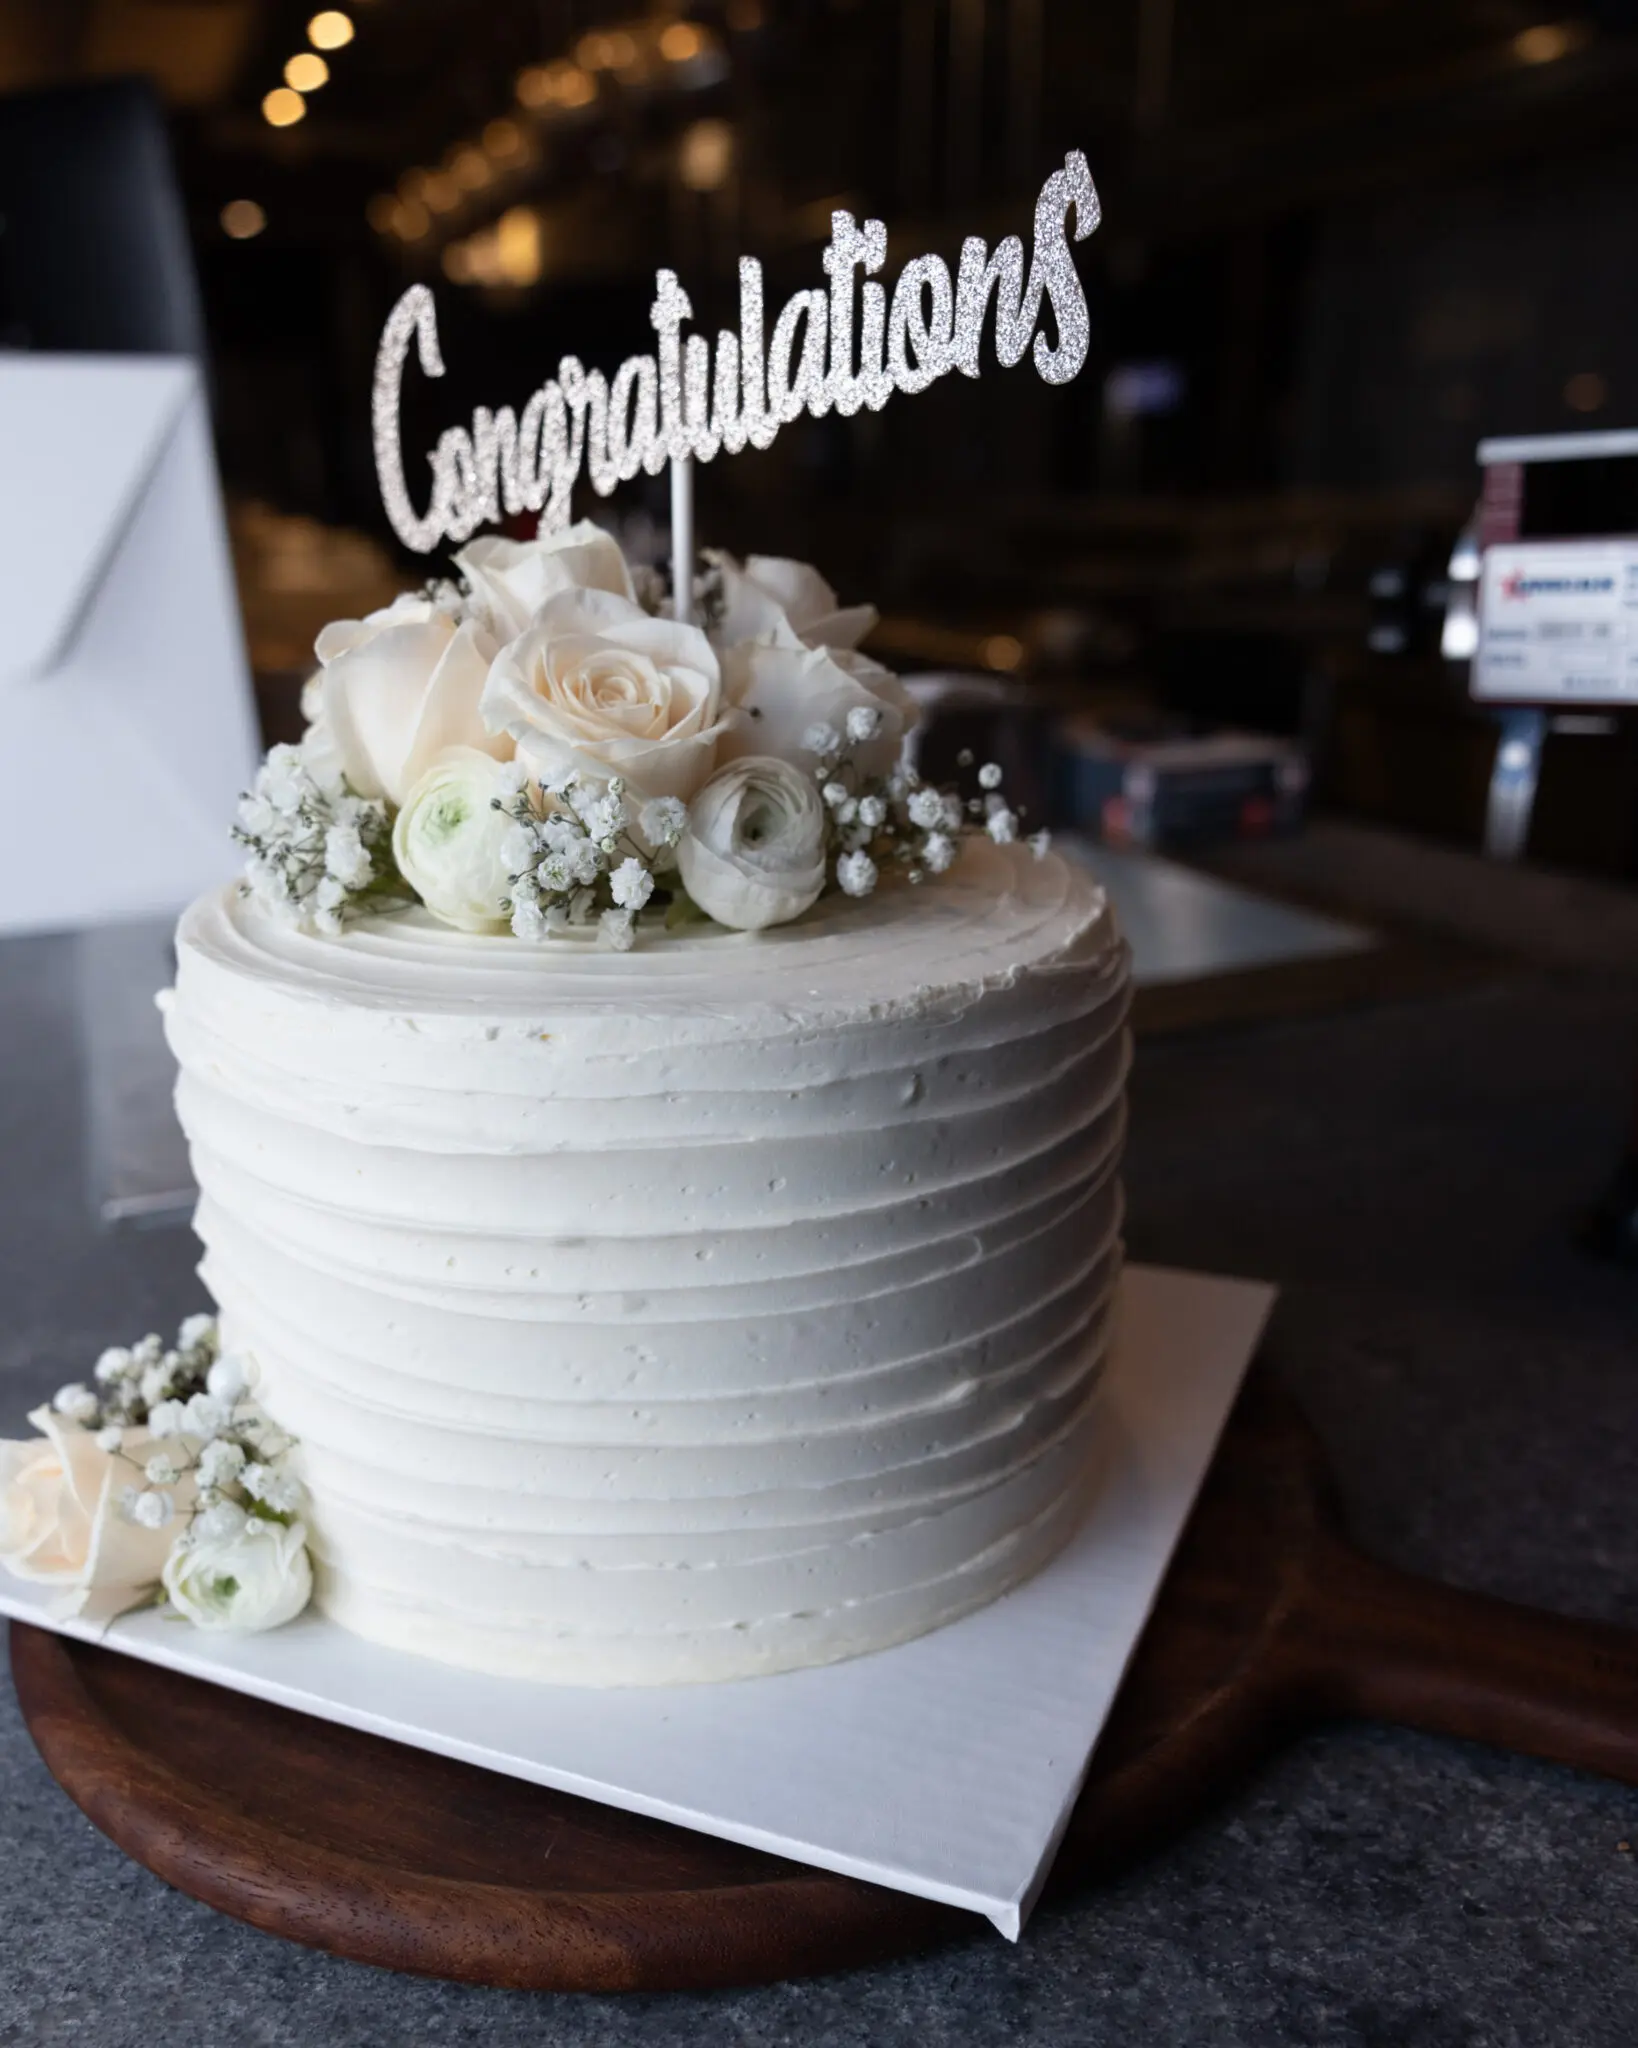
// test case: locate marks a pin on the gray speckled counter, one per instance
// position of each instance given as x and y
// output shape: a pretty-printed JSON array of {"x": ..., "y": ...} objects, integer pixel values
[{"x": 1408, "y": 1175}]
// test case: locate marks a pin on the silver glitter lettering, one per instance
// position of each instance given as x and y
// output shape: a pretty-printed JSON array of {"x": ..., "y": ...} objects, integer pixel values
[
  {"x": 849, "y": 347},
  {"x": 414, "y": 314}
]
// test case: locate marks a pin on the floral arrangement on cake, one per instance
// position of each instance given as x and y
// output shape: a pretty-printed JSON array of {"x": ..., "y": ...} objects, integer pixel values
[
  {"x": 158, "y": 1481},
  {"x": 537, "y": 746}
]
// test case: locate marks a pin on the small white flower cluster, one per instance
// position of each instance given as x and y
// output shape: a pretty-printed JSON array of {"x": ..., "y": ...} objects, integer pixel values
[
  {"x": 574, "y": 859},
  {"x": 315, "y": 849},
  {"x": 899, "y": 817},
  {"x": 189, "y": 1400}
]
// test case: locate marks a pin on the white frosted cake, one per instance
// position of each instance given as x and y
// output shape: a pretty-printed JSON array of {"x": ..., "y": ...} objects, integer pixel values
[{"x": 727, "y": 1305}]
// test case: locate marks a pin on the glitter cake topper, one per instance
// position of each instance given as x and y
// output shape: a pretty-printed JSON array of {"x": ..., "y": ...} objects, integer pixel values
[{"x": 689, "y": 400}]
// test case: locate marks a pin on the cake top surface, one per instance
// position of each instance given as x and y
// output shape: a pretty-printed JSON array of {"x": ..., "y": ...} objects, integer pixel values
[{"x": 1000, "y": 914}]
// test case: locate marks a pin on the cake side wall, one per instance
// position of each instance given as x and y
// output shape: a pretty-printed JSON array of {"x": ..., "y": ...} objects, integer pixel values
[{"x": 743, "y": 1315}]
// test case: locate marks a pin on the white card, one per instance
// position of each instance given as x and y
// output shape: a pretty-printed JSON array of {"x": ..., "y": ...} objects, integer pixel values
[{"x": 123, "y": 683}]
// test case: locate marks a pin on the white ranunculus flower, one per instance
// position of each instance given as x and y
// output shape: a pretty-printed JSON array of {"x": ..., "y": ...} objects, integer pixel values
[
  {"x": 771, "y": 596},
  {"x": 61, "y": 1524},
  {"x": 398, "y": 688},
  {"x": 754, "y": 851},
  {"x": 258, "y": 1577},
  {"x": 511, "y": 579},
  {"x": 783, "y": 692},
  {"x": 597, "y": 688},
  {"x": 452, "y": 845}
]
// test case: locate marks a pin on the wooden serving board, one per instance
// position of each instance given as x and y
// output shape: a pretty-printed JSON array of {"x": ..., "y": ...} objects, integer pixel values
[{"x": 1268, "y": 1621}]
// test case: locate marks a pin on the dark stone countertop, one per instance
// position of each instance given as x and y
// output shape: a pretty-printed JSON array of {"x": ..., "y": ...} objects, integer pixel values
[{"x": 1409, "y": 1174}]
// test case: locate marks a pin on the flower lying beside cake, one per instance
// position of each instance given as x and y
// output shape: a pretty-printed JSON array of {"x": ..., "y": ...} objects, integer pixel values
[
  {"x": 160, "y": 1481},
  {"x": 536, "y": 748}
]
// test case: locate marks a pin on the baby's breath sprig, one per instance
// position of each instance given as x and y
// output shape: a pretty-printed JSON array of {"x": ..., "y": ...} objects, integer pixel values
[
  {"x": 317, "y": 851},
  {"x": 191, "y": 1400},
  {"x": 575, "y": 858},
  {"x": 897, "y": 819}
]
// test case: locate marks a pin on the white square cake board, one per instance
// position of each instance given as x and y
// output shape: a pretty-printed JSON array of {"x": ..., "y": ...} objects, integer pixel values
[{"x": 946, "y": 1767}]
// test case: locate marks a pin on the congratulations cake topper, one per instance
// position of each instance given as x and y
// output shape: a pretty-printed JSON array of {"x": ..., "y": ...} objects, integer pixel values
[{"x": 688, "y": 400}]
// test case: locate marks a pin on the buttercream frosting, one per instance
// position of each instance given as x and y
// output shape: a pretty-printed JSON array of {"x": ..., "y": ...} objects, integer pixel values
[{"x": 727, "y": 1305}]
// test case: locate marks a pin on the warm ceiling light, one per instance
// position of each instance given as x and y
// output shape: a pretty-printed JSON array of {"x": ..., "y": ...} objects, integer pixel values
[
  {"x": 1002, "y": 651},
  {"x": 242, "y": 219},
  {"x": 331, "y": 30},
  {"x": 413, "y": 220},
  {"x": 517, "y": 245},
  {"x": 1546, "y": 43},
  {"x": 562, "y": 84},
  {"x": 706, "y": 155},
  {"x": 470, "y": 169},
  {"x": 306, "y": 72},
  {"x": 503, "y": 139},
  {"x": 1587, "y": 391},
  {"x": 601, "y": 50},
  {"x": 681, "y": 41},
  {"x": 382, "y": 214},
  {"x": 441, "y": 192},
  {"x": 457, "y": 263},
  {"x": 283, "y": 108}
]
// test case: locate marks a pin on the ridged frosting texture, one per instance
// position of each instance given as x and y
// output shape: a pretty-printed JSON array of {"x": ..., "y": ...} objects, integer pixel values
[{"x": 727, "y": 1305}]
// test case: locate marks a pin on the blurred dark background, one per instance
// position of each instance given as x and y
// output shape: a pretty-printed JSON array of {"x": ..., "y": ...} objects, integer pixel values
[{"x": 1341, "y": 242}]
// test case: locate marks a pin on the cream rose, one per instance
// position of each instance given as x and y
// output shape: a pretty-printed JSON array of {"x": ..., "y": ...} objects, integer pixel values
[
  {"x": 451, "y": 844},
  {"x": 770, "y": 596},
  {"x": 754, "y": 850},
  {"x": 511, "y": 579},
  {"x": 398, "y": 688},
  {"x": 258, "y": 1578},
  {"x": 782, "y": 692},
  {"x": 597, "y": 688},
  {"x": 61, "y": 1524}
]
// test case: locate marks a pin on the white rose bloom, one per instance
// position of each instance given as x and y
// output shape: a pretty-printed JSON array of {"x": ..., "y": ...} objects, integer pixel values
[
  {"x": 771, "y": 595},
  {"x": 512, "y": 579},
  {"x": 398, "y": 688},
  {"x": 452, "y": 845},
  {"x": 60, "y": 1524},
  {"x": 597, "y": 688},
  {"x": 754, "y": 851},
  {"x": 782, "y": 693},
  {"x": 257, "y": 1578},
  {"x": 197, "y": 1329}
]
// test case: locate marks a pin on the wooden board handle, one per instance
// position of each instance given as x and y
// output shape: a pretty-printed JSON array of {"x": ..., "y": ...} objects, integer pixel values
[{"x": 1381, "y": 1644}]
